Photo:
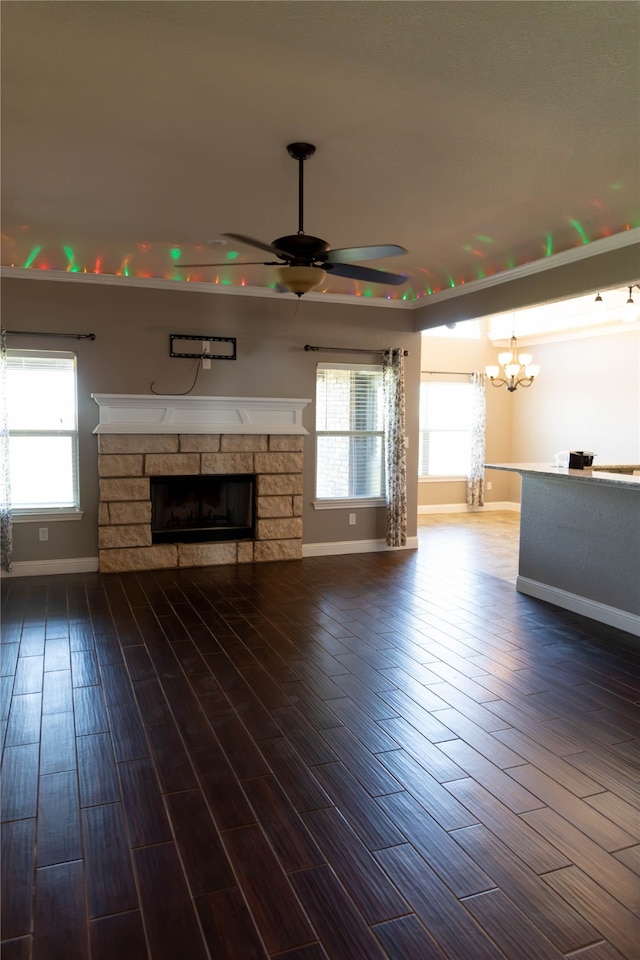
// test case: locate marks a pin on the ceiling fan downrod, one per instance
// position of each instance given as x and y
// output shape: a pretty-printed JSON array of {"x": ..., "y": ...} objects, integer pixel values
[{"x": 301, "y": 152}]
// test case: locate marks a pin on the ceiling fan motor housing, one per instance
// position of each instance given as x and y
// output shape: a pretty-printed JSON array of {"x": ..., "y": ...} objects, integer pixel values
[{"x": 303, "y": 249}]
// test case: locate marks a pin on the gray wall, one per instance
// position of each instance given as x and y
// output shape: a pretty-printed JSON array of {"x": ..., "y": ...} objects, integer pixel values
[{"x": 131, "y": 351}]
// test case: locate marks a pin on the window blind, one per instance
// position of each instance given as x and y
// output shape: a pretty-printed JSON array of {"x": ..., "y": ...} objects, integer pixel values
[
  {"x": 43, "y": 430},
  {"x": 349, "y": 431}
]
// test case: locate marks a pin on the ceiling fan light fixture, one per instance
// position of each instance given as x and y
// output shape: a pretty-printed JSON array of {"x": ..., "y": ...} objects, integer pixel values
[{"x": 300, "y": 280}]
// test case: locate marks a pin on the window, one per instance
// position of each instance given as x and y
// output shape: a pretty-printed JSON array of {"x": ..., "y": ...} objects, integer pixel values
[
  {"x": 445, "y": 428},
  {"x": 349, "y": 432},
  {"x": 43, "y": 431}
]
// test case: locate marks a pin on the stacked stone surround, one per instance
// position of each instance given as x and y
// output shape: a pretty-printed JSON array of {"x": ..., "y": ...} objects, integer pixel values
[{"x": 127, "y": 461}]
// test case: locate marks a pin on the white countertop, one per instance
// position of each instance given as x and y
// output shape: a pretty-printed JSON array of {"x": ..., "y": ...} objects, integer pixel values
[{"x": 595, "y": 474}]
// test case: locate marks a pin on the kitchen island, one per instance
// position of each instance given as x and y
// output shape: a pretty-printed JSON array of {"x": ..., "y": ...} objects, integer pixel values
[{"x": 580, "y": 539}]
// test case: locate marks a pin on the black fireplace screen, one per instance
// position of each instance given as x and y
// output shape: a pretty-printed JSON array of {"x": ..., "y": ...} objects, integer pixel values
[{"x": 201, "y": 509}]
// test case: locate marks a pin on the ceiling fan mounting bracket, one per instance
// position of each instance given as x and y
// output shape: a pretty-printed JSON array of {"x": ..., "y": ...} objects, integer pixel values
[{"x": 301, "y": 151}]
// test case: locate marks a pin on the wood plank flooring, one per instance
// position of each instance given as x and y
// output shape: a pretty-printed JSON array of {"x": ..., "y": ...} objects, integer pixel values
[{"x": 389, "y": 755}]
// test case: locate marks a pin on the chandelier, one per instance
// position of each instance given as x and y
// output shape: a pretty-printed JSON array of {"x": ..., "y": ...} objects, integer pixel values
[{"x": 517, "y": 369}]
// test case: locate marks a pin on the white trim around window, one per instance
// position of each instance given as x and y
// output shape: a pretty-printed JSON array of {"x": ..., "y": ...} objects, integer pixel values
[
  {"x": 349, "y": 504},
  {"x": 51, "y": 516}
]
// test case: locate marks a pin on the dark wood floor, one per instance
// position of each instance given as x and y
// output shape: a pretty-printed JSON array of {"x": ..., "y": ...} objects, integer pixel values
[{"x": 377, "y": 756}]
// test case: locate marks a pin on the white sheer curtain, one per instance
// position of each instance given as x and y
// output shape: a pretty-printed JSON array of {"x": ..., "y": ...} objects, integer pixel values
[
  {"x": 6, "y": 520},
  {"x": 395, "y": 454},
  {"x": 475, "y": 478}
]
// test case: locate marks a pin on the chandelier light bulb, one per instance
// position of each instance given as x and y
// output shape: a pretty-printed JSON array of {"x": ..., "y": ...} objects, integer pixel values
[{"x": 517, "y": 369}]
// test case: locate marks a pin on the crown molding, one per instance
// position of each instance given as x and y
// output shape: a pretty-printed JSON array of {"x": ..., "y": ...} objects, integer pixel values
[
  {"x": 191, "y": 286},
  {"x": 616, "y": 241}
]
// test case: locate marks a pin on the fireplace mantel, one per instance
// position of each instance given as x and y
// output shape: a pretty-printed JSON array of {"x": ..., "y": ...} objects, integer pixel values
[{"x": 146, "y": 414}]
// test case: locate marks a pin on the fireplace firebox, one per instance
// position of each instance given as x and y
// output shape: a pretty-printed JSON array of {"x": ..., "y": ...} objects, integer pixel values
[{"x": 202, "y": 508}]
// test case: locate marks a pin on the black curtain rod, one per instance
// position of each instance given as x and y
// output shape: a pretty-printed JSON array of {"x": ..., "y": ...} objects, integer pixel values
[
  {"x": 450, "y": 373},
  {"x": 308, "y": 346},
  {"x": 36, "y": 333}
]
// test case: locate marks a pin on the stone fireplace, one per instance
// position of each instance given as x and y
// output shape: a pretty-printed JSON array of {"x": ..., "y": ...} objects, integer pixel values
[{"x": 147, "y": 438}]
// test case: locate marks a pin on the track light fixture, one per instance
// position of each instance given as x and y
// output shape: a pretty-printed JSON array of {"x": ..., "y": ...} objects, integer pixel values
[{"x": 630, "y": 310}]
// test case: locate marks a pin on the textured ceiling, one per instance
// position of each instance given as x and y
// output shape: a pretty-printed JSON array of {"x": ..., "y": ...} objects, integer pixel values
[{"x": 478, "y": 135}]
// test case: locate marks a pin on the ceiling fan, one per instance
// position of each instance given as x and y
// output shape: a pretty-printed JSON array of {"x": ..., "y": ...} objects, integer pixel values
[{"x": 303, "y": 260}]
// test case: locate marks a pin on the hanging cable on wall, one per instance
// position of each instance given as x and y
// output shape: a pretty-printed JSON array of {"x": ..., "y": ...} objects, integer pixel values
[{"x": 182, "y": 393}]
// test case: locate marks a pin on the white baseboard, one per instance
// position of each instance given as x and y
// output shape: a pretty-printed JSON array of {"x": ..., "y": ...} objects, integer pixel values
[
  {"x": 352, "y": 546},
  {"x": 48, "y": 568},
  {"x": 612, "y": 616},
  {"x": 464, "y": 508}
]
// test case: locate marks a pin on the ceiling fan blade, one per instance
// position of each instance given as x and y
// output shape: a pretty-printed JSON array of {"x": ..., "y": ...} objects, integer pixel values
[
  {"x": 372, "y": 252},
  {"x": 234, "y": 263},
  {"x": 366, "y": 274},
  {"x": 256, "y": 243}
]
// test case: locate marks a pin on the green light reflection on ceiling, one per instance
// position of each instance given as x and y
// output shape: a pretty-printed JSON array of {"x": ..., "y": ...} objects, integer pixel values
[
  {"x": 483, "y": 238},
  {"x": 578, "y": 226},
  {"x": 176, "y": 253},
  {"x": 232, "y": 255},
  {"x": 549, "y": 250},
  {"x": 70, "y": 255},
  {"x": 34, "y": 253}
]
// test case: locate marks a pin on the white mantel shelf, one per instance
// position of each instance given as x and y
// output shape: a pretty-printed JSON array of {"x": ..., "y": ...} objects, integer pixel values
[{"x": 141, "y": 413}]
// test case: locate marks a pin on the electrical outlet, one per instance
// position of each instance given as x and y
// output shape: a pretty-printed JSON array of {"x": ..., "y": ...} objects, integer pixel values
[
  {"x": 43, "y": 533},
  {"x": 352, "y": 519},
  {"x": 489, "y": 484},
  {"x": 206, "y": 348}
]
